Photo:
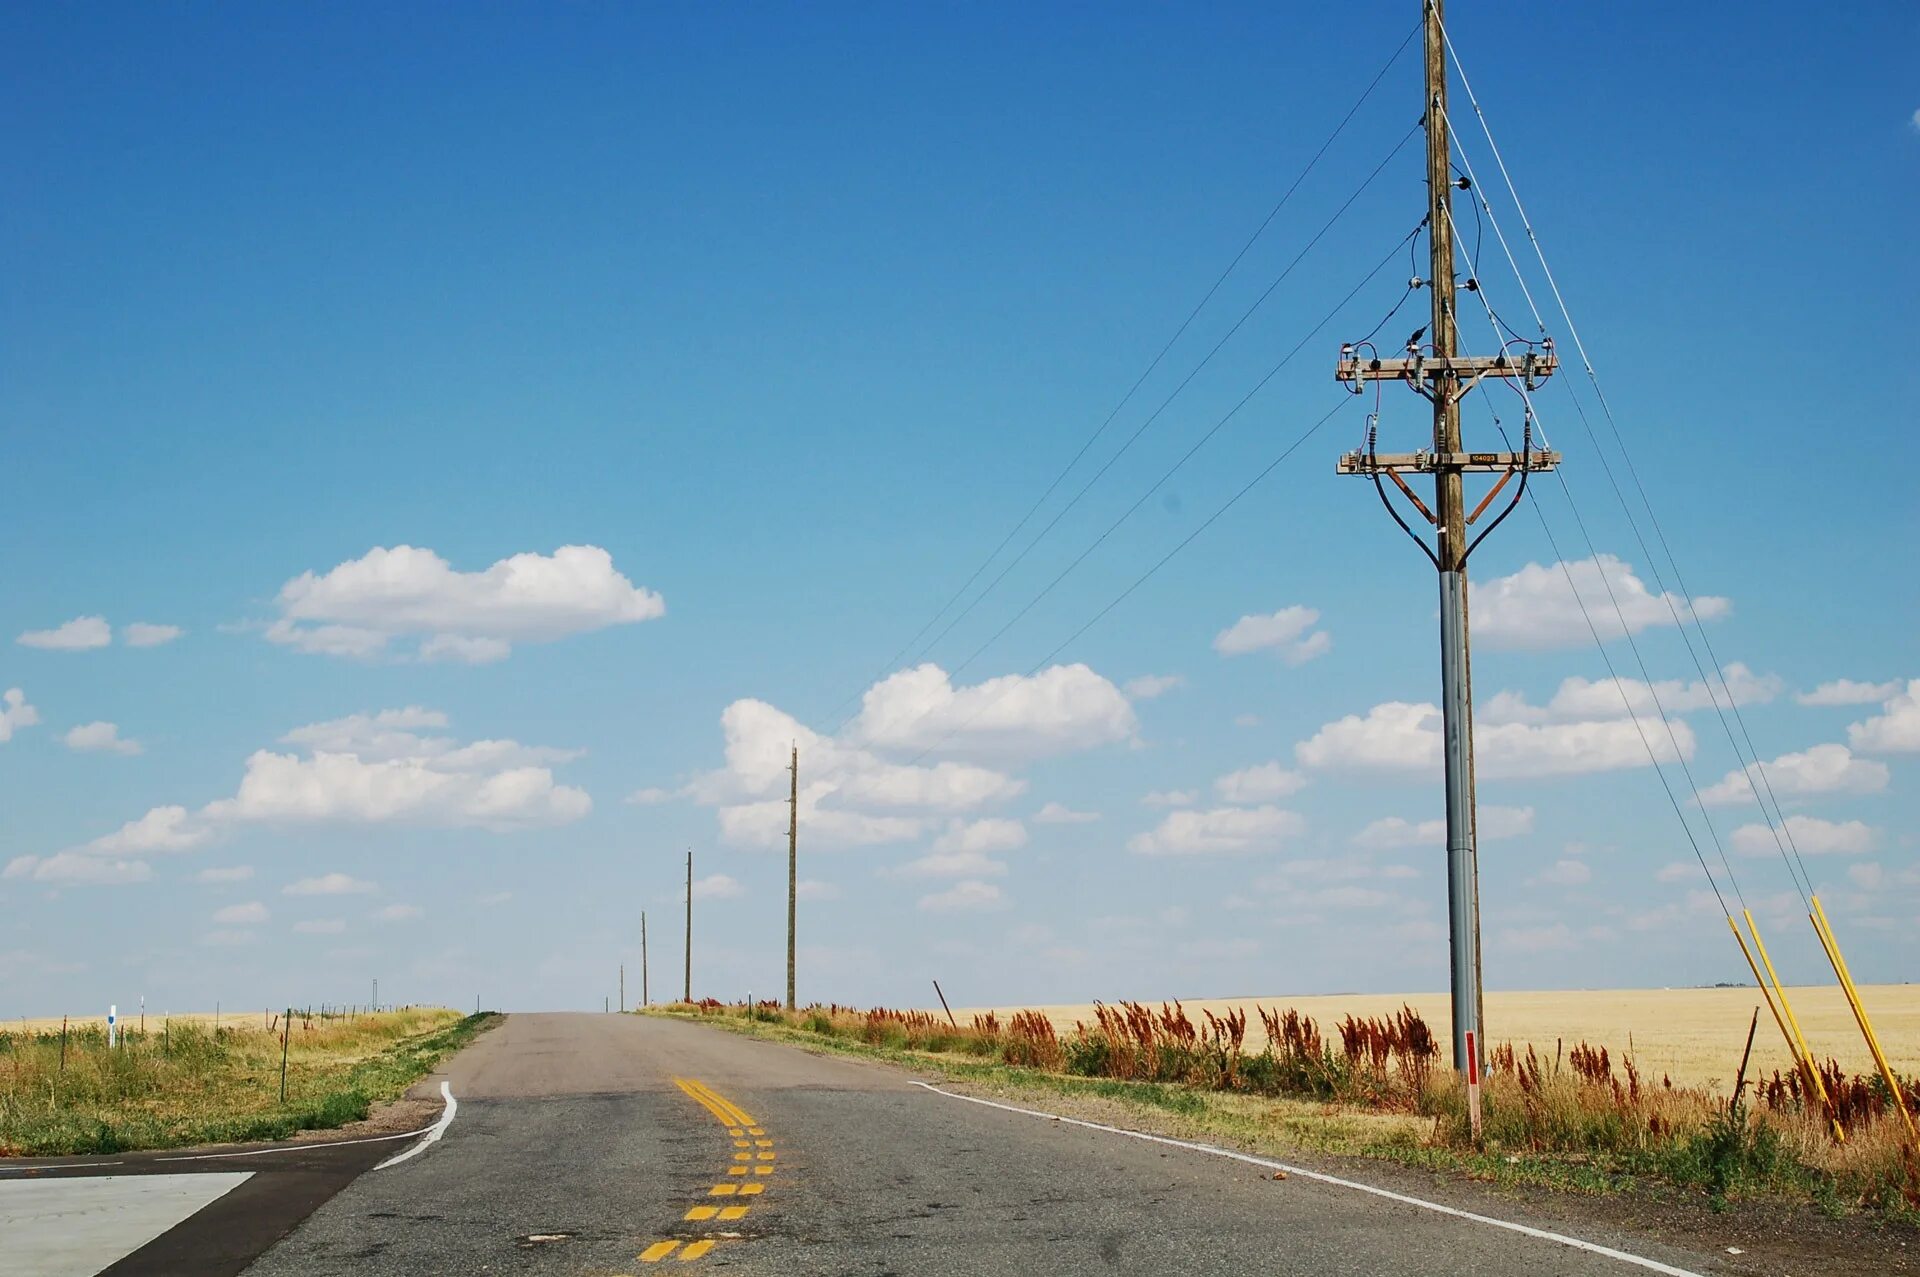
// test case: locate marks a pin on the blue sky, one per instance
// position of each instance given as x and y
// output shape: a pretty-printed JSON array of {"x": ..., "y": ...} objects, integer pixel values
[{"x": 782, "y": 319}]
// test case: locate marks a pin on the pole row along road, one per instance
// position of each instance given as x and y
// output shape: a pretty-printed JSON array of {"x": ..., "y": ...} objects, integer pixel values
[{"x": 604, "y": 1145}]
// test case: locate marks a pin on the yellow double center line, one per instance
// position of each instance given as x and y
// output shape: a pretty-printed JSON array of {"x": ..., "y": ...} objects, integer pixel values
[{"x": 746, "y": 1177}]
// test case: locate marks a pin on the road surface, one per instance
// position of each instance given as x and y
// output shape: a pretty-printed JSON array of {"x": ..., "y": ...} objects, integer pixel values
[{"x": 599, "y": 1144}]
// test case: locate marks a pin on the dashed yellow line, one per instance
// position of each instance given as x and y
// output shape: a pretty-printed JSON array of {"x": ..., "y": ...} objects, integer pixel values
[{"x": 740, "y": 1124}]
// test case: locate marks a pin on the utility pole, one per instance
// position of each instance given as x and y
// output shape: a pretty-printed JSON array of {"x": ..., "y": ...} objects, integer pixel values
[
  {"x": 1439, "y": 373},
  {"x": 686, "y": 994},
  {"x": 623, "y": 988},
  {"x": 646, "y": 1000},
  {"x": 793, "y": 861}
]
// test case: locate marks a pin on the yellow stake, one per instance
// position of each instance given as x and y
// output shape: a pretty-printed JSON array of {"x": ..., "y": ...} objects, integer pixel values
[
  {"x": 1807, "y": 1065},
  {"x": 1832, "y": 945}
]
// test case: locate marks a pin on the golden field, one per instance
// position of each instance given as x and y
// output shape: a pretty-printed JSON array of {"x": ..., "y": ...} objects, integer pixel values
[{"x": 1694, "y": 1035}]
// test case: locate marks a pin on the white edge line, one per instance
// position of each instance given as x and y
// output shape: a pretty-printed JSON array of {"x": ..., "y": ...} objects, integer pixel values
[
  {"x": 433, "y": 1133},
  {"x": 285, "y": 1148},
  {"x": 1542, "y": 1234}
]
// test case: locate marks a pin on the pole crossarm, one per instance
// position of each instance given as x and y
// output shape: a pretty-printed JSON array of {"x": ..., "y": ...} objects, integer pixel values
[
  {"x": 1463, "y": 372},
  {"x": 1362, "y": 462}
]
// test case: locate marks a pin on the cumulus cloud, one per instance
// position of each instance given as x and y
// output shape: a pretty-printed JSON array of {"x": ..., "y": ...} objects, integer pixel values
[
  {"x": 967, "y": 848},
  {"x": 331, "y": 884},
  {"x": 1060, "y": 710},
  {"x": 1061, "y": 814},
  {"x": 813, "y": 889},
  {"x": 1169, "y": 798},
  {"x": 248, "y": 914},
  {"x": 146, "y": 634},
  {"x": 99, "y": 738},
  {"x": 320, "y": 927},
  {"x": 15, "y": 713},
  {"x": 1846, "y": 691},
  {"x": 1222, "y": 829},
  {"x": 398, "y": 913},
  {"x": 716, "y": 887},
  {"x": 162, "y": 829},
  {"x": 1260, "y": 783},
  {"x": 1535, "y": 608},
  {"x": 1824, "y": 769},
  {"x": 649, "y": 796},
  {"x": 963, "y": 897},
  {"x": 227, "y": 938},
  {"x": 1563, "y": 873},
  {"x": 361, "y": 607},
  {"x": 81, "y": 634},
  {"x": 1148, "y": 686},
  {"x": 1494, "y": 823},
  {"x": 1399, "y": 736},
  {"x": 1554, "y": 937},
  {"x": 224, "y": 873},
  {"x": 1896, "y": 729},
  {"x": 1582, "y": 698},
  {"x": 1813, "y": 836},
  {"x": 1288, "y": 633},
  {"x": 77, "y": 869}
]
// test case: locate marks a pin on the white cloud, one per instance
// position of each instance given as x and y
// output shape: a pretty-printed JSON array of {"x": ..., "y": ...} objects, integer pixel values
[
  {"x": 398, "y": 913},
  {"x": 1868, "y": 876},
  {"x": 1062, "y": 709},
  {"x": 1149, "y": 686},
  {"x": 1676, "y": 871},
  {"x": 1895, "y": 730},
  {"x": 330, "y": 884},
  {"x": 81, "y": 634},
  {"x": 1223, "y": 829},
  {"x": 1563, "y": 873},
  {"x": 145, "y": 634},
  {"x": 359, "y": 607},
  {"x": 228, "y": 939},
  {"x": 161, "y": 829},
  {"x": 1494, "y": 823},
  {"x": 1503, "y": 822},
  {"x": 1813, "y": 836},
  {"x": 1915, "y": 119},
  {"x": 493, "y": 898},
  {"x": 1246, "y": 720},
  {"x": 1170, "y": 798},
  {"x": 1535, "y": 608},
  {"x": 1061, "y": 814},
  {"x": 1398, "y": 736},
  {"x": 320, "y": 926},
  {"x": 224, "y": 873},
  {"x": 962, "y": 897},
  {"x": 249, "y": 914},
  {"x": 15, "y": 713},
  {"x": 99, "y": 738},
  {"x": 812, "y": 889},
  {"x": 77, "y": 869},
  {"x": 1580, "y": 699},
  {"x": 966, "y": 849},
  {"x": 1556, "y": 937},
  {"x": 1289, "y": 633},
  {"x": 716, "y": 887},
  {"x": 650, "y": 796},
  {"x": 1845, "y": 691},
  {"x": 1260, "y": 783},
  {"x": 1824, "y": 769}
]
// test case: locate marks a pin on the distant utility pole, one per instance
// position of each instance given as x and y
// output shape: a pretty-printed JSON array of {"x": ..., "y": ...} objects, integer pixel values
[
  {"x": 1442, "y": 376},
  {"x": 376, "y": 993},
  {"x": 686, "y": 994},
  {"x": 623, "y": 988},
  {"x": 793, "y": 861},
  {"x": 646, "y": 1000}
]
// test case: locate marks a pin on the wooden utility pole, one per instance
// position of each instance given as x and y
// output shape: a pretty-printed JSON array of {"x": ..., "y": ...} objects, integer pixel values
[
  {"x": 646, "y": 999},
  {"x": 686, "y": 994},
  {"x": 793, "y": 861},
  {"x": 1438, "y": 372},
  {"x": 623, "y": 988}
]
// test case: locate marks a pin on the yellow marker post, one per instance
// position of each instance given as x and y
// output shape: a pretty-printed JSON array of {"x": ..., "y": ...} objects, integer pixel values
[
  {"x": 1831, "y": 944},
  {"x": 1805, "y": 1053}
]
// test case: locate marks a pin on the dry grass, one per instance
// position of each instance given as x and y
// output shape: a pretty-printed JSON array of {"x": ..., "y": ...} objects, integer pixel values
[
  {"x": 184, "y": 1082},
  {"x": 1692, "y": 1035}
]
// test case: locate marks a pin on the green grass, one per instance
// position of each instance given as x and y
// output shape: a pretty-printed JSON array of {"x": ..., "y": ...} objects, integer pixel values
[{"x": 193, "y": 1085}]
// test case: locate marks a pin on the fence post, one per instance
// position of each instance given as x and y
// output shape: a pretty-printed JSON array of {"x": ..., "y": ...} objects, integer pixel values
[
  {"x": 286, "y": 1033},
  {"x": 63, "y": 1044}
]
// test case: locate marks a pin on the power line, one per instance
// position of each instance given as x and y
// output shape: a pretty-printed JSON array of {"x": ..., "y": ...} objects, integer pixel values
[
  {"x": 1168, "y": 401},
  {"x": 1153, "y": 365},
  {"x": 1188, "y": 455}
]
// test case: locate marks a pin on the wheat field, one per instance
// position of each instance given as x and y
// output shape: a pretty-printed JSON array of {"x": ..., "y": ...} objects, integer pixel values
[{"x": 1693, "y": 1035}]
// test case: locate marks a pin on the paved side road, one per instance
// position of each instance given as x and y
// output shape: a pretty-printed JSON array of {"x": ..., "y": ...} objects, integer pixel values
[{"x": 613, "y": 1144}]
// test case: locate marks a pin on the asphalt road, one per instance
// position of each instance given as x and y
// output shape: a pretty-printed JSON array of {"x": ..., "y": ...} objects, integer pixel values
[{"x": 593, "y": 1144}]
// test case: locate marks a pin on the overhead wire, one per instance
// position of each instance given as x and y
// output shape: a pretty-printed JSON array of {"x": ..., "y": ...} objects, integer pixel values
[
  {"x": 1168, "y": 401},
  {"x": 1185, "y": 457},
  {"x": 1708, "y": 671},
  {"x": 1285, "y": 197}
]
